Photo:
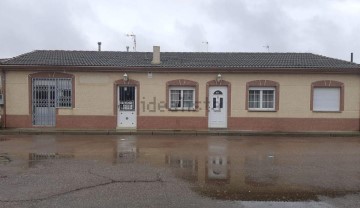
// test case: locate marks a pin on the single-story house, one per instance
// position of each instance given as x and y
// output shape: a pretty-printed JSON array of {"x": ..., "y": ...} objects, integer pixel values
[{"x": 180, "y": 91}]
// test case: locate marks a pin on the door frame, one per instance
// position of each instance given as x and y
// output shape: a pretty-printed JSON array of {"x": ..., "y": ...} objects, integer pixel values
[
  {"x": 131, "y": 83},
  {"x": 214, "y": 83},
  {"x": 48, "y": 75},
  {"x": 47, "y": 113}
]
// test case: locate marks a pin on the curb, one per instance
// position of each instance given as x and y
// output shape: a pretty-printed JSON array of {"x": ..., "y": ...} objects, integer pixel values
[{"x": 174, "y": 132}]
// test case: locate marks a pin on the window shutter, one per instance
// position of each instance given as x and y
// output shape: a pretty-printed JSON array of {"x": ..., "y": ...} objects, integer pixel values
[{"x": 326, "y": 99}]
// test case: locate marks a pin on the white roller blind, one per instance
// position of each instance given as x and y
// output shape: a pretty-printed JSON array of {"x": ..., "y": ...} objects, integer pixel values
[{"x": 326, "y": 99}]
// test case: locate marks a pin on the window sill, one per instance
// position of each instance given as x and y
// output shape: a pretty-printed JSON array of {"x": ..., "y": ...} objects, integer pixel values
[
  {"x": 182, "y": 109},
  {"x": 317, "y": 111},
  {"x": 261, "y": 110}
]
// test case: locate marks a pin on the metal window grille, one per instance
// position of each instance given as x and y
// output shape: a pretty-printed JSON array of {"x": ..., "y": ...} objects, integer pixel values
[
  {"x": 127, "y": 98},
  {"x": 52, "y": 92},
  {"x": 48, "y": 94}
]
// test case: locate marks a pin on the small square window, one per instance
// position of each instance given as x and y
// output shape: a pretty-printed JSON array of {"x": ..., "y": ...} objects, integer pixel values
[{"x": 182, "y": 98}]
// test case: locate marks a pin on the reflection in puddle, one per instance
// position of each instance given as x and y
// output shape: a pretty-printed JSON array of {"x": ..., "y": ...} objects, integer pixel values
[
  {"x": 217, "y": 167},
  {"x": 4, "y": 158},
  {"x": 126, "y": 151},
  {"x": 286, "y": 169},
  {"x": 3, "y": 139},
  {"x": 184, "y": 166},
  {"x": 35, "y": 158},
  {"x": 266, "y": 177}
]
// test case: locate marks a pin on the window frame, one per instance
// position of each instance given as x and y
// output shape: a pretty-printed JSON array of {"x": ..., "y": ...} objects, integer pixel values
[
  {"x": 327, "y": 84},
  {"x": 261, "y": 89},
  {"x": 59, "y": 93},
  {"x": 182, "y": 89},
  {"x": 263, "y": 83},
  {"x": 327, "y": 110},
  {"x": 181, "y": 83},
  {"x": 53, "y": 89}
]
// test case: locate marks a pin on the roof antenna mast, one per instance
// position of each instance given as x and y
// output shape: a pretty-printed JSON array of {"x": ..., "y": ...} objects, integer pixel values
[
  {"x": 133, "y": 36},
  {"x": 207, "y": 45},
  {"x": 267, "y": 47}
]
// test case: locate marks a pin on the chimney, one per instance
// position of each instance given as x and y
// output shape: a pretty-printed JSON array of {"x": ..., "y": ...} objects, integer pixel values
[
  {"x": 156, "y": 55},
  {"x": 99, "y": 46},
  {"x": 127, "y": 48},
  {"x": 352, "y": 57}
]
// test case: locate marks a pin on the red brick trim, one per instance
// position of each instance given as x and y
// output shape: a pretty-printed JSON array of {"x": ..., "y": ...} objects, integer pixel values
[
  {"x": 50, "y": 75},
  {"x": 218, "y": 83},
  {"x": 182, "y": 83},
  {"x": 327, "y": 84},
  {"x": 263, "y": 83},
  {"x": 293, "y": 124},
  {"x": 198, "y": 123},
  {"x": 172, "y": 122},
  {"x": 86, "y": 122},
  {"x": 19, "y": 121}
]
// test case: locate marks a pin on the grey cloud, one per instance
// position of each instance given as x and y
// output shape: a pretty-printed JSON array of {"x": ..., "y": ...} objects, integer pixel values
[
  {"x": 228, "y": 25},
  {"x": 193, "y": 36},
  {"x": 34, "y": 25},
  {"x": 250, "y": 28}
]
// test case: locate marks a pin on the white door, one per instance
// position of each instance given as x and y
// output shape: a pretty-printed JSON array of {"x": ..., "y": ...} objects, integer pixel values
[
  {"x": 126, "y": 107},
  {"x": 218, "y": 107}
]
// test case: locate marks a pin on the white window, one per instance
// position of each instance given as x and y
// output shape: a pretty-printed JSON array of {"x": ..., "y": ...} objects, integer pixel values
[
  {"x": 261, "y": 98},
  {"x": 326, "y": 99},
  {"x": 182, "y": 98}
]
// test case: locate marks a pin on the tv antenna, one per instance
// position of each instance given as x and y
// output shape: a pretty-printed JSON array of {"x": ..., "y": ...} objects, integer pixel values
[
  {"x": 207, "y": 45},
  {"x": 267, "y": 48},
  {"x": 133, "y": 36}
]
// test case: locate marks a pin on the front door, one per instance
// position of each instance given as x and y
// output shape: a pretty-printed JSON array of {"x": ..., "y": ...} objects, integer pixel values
[
  {"x": 43, "y": 102},
  {"x": 218, "y": 107},
  {"x": 126, "y": 107}
]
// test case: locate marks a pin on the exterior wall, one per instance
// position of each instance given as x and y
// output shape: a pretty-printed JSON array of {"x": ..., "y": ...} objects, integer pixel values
[
  {"x": 17, "y": 92},
  {"x": 94, "y": 106}
]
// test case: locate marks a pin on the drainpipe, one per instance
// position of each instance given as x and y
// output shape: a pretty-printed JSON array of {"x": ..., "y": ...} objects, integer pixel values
[{"x": 3, "y": 87}]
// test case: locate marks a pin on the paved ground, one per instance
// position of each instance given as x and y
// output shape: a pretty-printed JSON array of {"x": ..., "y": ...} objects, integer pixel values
[
  {"x": 72, "y": 183},
  {"x": 139, "y": 171}
]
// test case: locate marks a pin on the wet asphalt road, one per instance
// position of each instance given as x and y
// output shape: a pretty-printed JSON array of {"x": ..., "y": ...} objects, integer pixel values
[{"x": 178, "y": 171}]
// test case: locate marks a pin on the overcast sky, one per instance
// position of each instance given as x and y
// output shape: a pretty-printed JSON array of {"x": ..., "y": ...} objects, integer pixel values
[{"x": 327, "y": 27}]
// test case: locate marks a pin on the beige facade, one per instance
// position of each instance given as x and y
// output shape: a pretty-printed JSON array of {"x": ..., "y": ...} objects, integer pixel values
[{"x": 94, "y": 94}]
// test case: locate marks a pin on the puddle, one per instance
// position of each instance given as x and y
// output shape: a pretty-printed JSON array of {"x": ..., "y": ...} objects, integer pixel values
[
  {"x": 227, "y": 168},
  {"x": 3, "y": 139}
]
